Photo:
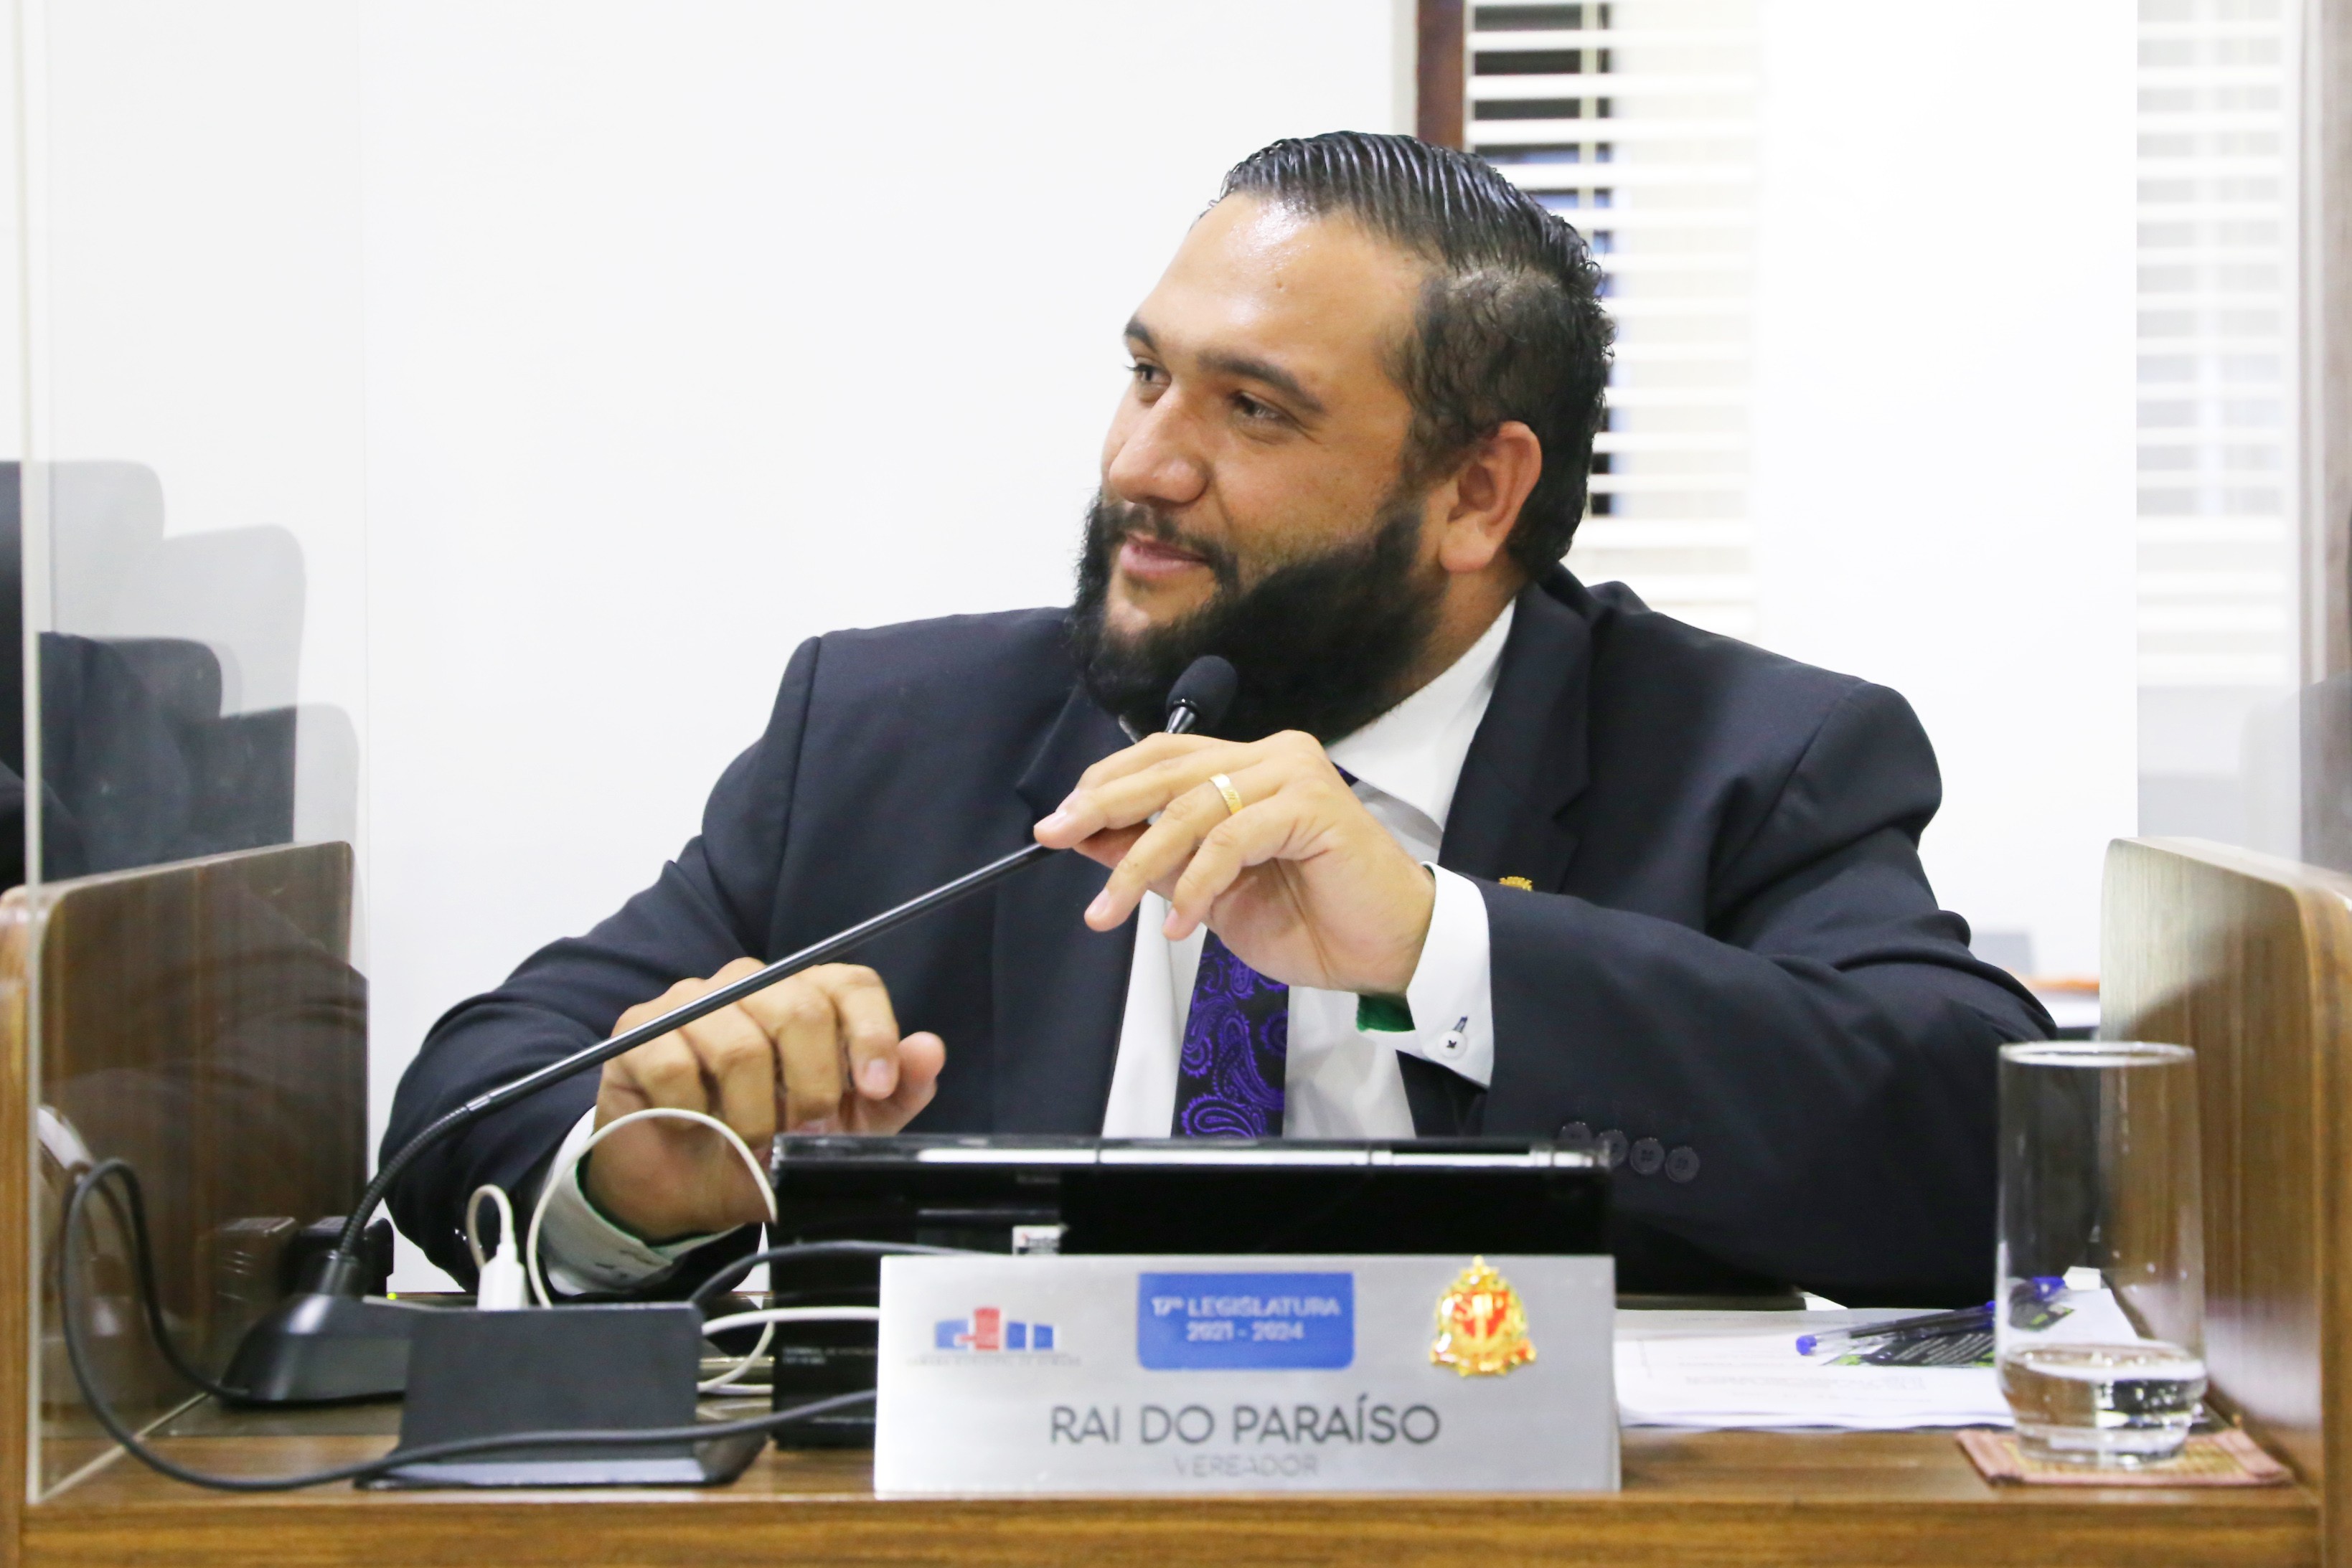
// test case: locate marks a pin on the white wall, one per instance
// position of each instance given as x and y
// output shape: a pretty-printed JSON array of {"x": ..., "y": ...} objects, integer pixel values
[
  {"x": 1944, "y": 431},
  {"x": 696, "y": 330}
]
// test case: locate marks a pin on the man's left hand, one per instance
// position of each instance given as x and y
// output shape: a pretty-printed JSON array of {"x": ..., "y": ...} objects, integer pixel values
[{"x": 1300, "y": 883}]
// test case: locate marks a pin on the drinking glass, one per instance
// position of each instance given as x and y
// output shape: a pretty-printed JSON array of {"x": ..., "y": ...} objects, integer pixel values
[{"x": 2099, "y": 1326}]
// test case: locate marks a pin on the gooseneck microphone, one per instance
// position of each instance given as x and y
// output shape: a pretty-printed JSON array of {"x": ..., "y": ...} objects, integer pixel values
[
  {"x": 1202, "y": 694},
  {"x": 330, "y": 1342}
]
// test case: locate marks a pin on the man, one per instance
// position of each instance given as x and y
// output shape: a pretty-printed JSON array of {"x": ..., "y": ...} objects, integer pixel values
[{"x": 1478, "y": 848}]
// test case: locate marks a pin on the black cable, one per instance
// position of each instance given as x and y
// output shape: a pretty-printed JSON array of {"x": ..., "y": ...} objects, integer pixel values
[
  {"x": 719, "y": 1283},
  {"x": 70, "y": 1305},
  {"x": 131, "y": 1207}
]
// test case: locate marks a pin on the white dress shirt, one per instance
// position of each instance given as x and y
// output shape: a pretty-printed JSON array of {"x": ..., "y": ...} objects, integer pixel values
[{"x": 1340, "y": 1081}]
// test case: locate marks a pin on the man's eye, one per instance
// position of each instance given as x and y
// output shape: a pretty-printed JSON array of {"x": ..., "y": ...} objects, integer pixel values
[
  {"x": 1145, "y": 375},
  {"x": 1249, "y": 408}
]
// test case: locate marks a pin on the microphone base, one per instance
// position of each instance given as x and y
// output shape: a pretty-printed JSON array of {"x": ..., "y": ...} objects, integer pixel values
[{"x": 321, "y": 1348}]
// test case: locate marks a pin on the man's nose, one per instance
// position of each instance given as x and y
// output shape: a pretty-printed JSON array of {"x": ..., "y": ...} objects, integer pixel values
[{"x": 1154, "y": 461}]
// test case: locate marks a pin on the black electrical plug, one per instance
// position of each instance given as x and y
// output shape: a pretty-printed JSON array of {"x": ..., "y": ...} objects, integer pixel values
[{"x": 332, "y": 1339}]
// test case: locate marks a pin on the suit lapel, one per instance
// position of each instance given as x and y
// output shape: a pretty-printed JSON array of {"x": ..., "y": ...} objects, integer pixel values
[
  {"x": 1060, "y": 989},
  {"x": 1527, "y": 762}
]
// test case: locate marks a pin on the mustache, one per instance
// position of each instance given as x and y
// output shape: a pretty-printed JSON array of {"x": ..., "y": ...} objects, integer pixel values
[{"x": 1111, "y": 523}]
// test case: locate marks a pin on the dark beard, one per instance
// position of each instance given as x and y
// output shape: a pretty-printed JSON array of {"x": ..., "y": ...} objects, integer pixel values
[{"x": 1324, "y": 644}]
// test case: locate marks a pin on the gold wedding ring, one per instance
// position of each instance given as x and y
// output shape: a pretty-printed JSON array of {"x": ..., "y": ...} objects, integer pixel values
[{"x": 1233, "y": 796}]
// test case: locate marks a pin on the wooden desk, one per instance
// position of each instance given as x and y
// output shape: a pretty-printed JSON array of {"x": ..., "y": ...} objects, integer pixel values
[
  {"x": 1691, "y": 1499},
  {"x": 2252, "y": 964}
]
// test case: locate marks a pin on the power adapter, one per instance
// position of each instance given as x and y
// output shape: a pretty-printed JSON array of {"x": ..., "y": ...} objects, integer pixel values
[{"x": 614, "y": 1367}]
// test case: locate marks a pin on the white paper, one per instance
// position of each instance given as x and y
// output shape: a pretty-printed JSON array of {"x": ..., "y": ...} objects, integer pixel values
[{"x": 1743, "y": 1369}]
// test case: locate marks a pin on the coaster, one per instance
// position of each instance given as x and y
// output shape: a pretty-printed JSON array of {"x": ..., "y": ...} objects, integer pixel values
[{"x": 2225, "y": 1458}]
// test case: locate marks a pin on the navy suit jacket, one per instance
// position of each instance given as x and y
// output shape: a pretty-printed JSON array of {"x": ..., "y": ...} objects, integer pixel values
[{"x": 1730, "y": 955}]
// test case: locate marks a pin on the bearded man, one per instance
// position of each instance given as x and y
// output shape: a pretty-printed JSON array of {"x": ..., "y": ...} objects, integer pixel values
[{"x": 1476, "y": 849}]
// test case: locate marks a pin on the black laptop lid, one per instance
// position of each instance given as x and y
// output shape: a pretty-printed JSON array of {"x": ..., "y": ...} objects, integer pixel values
[{"x": 1167, "y": 1196}]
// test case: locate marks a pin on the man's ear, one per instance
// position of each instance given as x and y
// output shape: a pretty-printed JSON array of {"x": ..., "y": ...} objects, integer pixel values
[{"x": 1480, "y": 504}]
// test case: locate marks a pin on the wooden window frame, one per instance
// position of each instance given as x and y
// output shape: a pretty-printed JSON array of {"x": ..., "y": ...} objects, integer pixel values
[{"x": 1442, "y": 73}]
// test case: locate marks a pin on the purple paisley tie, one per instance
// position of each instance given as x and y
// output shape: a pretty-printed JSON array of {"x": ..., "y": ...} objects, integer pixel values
[{"x": 1229, "y": 1074}]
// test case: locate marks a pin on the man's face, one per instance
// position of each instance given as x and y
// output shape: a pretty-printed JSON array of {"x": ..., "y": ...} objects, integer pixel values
[{"x": 1261, "y": 428}]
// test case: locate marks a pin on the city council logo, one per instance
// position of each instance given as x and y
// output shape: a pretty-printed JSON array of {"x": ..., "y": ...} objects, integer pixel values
[
  {"x": 1482, "y": 1330},
  {"x": 988, "y": 1332}
]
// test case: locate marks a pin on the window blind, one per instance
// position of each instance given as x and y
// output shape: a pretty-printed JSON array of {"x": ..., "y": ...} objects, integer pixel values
[
  {"x": 1635, "y": 121},
  {"x": 2218, "y": 370}
]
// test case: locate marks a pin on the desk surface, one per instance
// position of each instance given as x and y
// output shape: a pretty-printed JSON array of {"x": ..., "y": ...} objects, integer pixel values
[{"x": 1750, "y": 1499}]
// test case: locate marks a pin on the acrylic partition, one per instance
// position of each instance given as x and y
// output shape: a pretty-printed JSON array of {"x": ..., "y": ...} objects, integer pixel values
[{"x": 186, "y": 542}]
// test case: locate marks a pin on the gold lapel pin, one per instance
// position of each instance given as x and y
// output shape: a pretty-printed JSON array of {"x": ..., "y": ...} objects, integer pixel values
[{"x": 1522, "y": 884}]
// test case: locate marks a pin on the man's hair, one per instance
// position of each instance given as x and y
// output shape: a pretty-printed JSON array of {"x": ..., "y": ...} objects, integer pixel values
[{"x": 1510, "y": 324}]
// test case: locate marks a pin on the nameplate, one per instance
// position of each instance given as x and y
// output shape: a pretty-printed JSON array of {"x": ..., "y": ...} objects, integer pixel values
[{"x": 1246, "y": 1373}]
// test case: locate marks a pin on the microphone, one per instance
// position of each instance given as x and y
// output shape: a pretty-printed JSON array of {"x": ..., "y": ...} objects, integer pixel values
[
  {"x": 1202, "y": 694},
  {"x": 329, "y": 1342}
]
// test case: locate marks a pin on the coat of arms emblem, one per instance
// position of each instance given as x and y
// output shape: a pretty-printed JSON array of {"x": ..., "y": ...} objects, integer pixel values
[{"x": 1482, "y": 1330}]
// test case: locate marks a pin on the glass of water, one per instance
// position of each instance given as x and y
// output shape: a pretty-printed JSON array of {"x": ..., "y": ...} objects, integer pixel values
[{"x": 2099, "y": 1322}]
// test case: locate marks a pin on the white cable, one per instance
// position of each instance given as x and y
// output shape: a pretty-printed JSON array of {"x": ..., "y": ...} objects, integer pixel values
[
  {"x": 498, "y": 1279},
  {"x": 506, "y": 1220},
  {"x": 769, "y": 1317},
  {"x": 725, "y": 1382},
  {"x": 794, "y": 1315},
  {"x": 659, "y": 1113}
]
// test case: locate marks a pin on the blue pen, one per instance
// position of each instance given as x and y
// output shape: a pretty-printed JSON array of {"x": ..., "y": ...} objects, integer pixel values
[{"x": 1933, "y": 1325}]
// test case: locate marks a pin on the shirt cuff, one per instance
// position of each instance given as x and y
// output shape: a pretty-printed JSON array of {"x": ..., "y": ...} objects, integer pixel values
[
  {"x": 1450, "y": 995},
  {"x": 582, "y": 1250}
]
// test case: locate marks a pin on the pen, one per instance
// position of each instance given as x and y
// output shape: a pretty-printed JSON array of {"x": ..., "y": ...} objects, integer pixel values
[
  {"x": 1931, "y": 1325},
  {"x": 1967, "y": 1320}
]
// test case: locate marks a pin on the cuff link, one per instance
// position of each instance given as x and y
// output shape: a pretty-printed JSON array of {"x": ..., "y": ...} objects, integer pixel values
[{"x": 1455, "y": 1038}]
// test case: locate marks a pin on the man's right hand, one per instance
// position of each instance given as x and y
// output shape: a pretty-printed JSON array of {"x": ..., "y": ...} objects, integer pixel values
[{"x": 819, "y": 1052}]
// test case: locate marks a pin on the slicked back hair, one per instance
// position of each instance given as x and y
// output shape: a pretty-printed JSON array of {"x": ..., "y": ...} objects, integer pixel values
[{"x": 1508, "y": 326}]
